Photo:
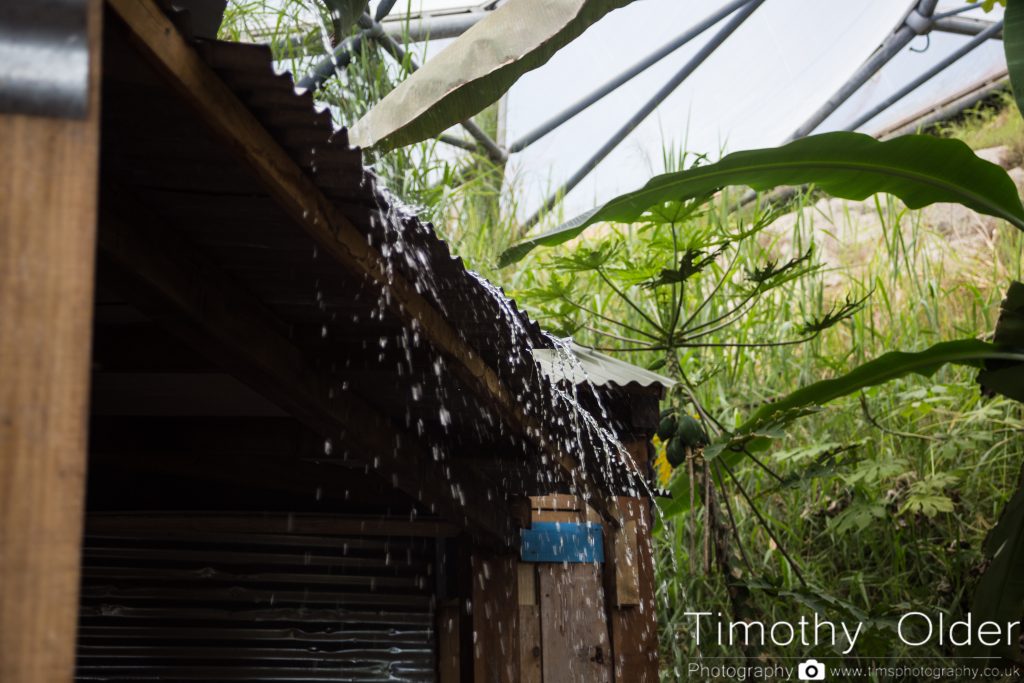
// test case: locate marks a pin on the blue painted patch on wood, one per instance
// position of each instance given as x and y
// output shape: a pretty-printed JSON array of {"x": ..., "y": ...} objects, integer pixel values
[{"x": 562, "y": 542}]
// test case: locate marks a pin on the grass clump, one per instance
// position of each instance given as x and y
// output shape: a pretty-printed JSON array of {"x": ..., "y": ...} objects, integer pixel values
[{"x": 995, "y": 122}]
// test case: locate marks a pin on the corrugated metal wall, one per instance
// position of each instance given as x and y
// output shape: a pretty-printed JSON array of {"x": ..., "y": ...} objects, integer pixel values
[{"x": 165, "y": 604}]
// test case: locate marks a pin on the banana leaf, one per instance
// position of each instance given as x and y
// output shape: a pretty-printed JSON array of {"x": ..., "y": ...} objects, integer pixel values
[
  {"x": 1004, "y": 377},
  {"x": 475, "y": 70},
  {"x": 918, "y": 169},
  {"x": 887, "y": 367},
  {"x": 999, "y": 595}
]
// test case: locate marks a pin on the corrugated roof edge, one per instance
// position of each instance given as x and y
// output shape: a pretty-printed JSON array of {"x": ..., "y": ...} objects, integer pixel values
[
  {"x": 598, "y": 368},
  {"x": 335, "y": 167}
]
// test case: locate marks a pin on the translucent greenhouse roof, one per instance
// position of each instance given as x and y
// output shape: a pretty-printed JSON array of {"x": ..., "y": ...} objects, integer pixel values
[{"x": 769, "y": 76}]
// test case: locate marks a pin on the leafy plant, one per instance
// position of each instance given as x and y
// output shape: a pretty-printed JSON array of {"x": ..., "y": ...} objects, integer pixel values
[
  {"x": 918, "y": 169},
  {"x": 999, "y": 595}
]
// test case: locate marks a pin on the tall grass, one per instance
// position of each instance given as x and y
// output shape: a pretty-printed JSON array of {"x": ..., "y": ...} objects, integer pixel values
[{"x": 992, "y": 123}]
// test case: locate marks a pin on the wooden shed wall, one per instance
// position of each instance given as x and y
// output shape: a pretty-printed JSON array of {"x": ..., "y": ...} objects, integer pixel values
[{"x": 229, "y": 598}]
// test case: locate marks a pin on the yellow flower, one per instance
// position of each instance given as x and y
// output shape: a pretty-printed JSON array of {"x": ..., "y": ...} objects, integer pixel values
[{"x": 662, "y": 468}]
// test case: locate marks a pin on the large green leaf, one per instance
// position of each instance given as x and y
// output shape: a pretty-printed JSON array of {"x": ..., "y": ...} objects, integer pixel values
[
  {"x": 999, "y": 595},
  {"x": 1001, "y": 376},
  {"x": 768, "y": 421},
  {"x": 918, "y": 169},
  {"x": 476, "y": 69},
  {"x": 887, "y": 367},
  {"x": 1013, "y": 45}
]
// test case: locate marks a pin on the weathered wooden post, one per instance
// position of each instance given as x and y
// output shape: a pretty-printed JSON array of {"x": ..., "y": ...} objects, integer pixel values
[{"x": 49, "y": 130}]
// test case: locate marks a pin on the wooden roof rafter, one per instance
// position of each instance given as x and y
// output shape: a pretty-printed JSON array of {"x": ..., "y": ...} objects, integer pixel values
[{"x": 232, "y": 122}]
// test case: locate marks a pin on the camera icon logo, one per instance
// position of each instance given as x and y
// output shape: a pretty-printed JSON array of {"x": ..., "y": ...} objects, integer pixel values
[{"x": 811, "y": 670}]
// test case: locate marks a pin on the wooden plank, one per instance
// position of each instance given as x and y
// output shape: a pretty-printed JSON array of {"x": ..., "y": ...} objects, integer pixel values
[
  {"x": 530, "y": 670},
  {"x": 573, "y": 624},
  {"x": 448, "y": 651},
  {"x": 561, "y": 507},
  {"x": 625, "y": 558},
  {"x": 290, "y": 523},
  {"x": 555, "y": 516},
  {"x": 634, "y": 627},
  {"x": 530, "y": 664},
  {"x": 527, "y": 588},
  {"x": 47, "y": 240},
  {"x": 159, "y": 40},
  {"x": 556, "y": 501},
  {"x": 495, "y": 619},
  {"x": 165, "y": 277}
]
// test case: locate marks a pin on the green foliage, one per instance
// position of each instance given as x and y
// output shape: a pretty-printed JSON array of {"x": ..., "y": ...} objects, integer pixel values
[
  {"x": 995, "y": 122},
  {"x": 885, "y": 368},
  {"x": 918, "y": 169},
  {"x": 1000, "y": 593},
  {"x": 900, "y": 479},
  {"x": 1000, "y": 376}
]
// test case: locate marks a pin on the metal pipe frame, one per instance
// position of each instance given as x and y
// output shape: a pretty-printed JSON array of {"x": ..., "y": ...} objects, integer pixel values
[
  {"x": 383, "y": 9},
  {"x": 434, "y": 28},
  {"x": 958, "y": 10},
  {"x": 927, "y": 75},
  {"x": 691, "y": 65},
  {"x": 949, "y": 109},
  {"x": 919, "y": 21},
  {"x": 964, "y": 26},
  {"x": 339, "y": 59},
  {"x": 916, "y": 23},
  {"x": 630, "y": 73}
]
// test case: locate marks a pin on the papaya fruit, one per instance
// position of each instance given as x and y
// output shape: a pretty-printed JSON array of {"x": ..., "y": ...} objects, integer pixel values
[
  {"x": 675, "y": 452},
  {"x": 690, "y": 432},
  {"x": 667, "y": 426}
]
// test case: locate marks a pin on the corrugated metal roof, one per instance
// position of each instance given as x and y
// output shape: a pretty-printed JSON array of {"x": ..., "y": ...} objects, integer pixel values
[
  {"x": 586, "y": 364},
  {"x": 155, "y": 152}
]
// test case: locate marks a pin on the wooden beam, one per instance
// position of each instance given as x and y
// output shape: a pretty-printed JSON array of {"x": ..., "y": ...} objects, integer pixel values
[
  {"x": 182, "y": 291},
  {"x": 159, "y": 40},
  {"x": 281, "y": 523},
  {"x": 47, "y": 240},
  {"x": 143, "y": 479},
  {"x": 633, "y": 627}
]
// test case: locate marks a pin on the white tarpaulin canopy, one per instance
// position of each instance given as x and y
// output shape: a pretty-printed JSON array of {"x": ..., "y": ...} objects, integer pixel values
[{"x": 770, "y": 75}]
